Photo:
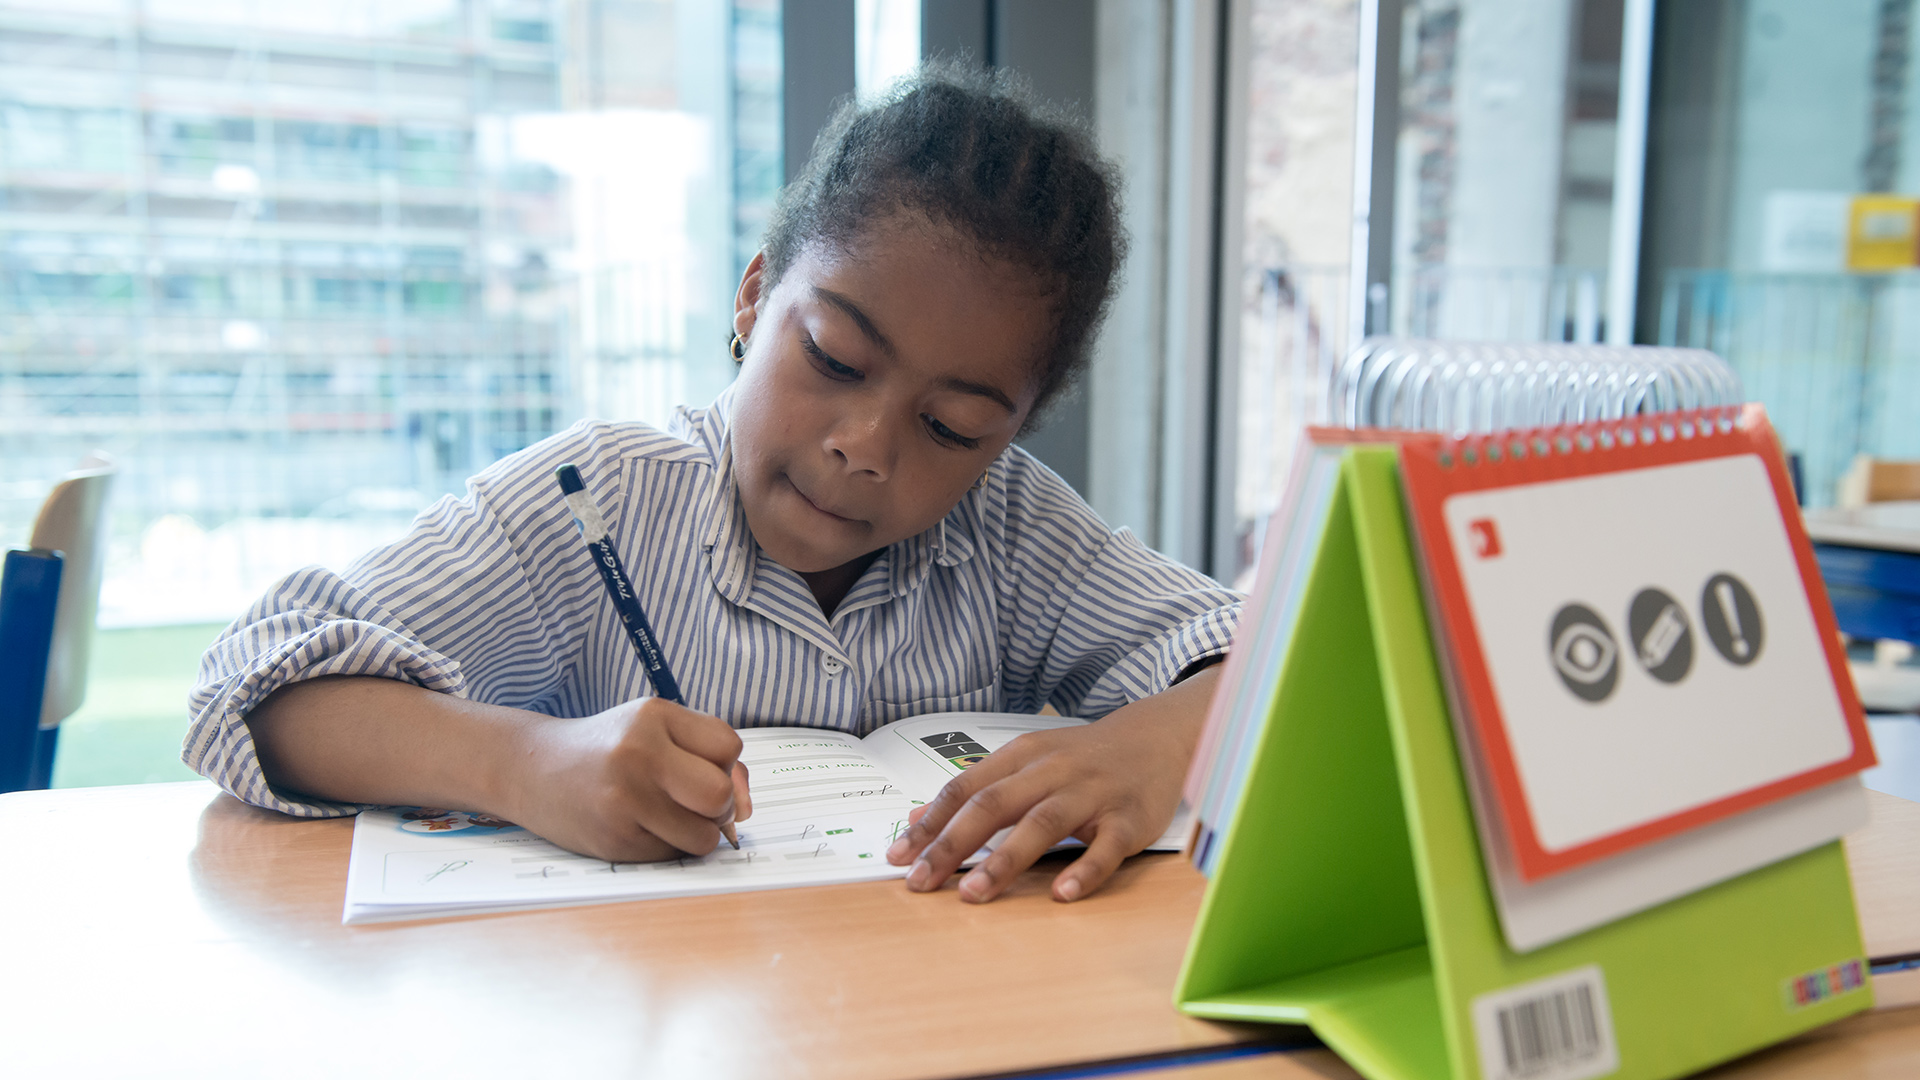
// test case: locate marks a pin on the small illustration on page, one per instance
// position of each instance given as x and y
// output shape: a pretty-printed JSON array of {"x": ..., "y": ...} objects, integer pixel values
[
  {"x": 961, "y": 750},
  {"x": 427, "y": 819}
]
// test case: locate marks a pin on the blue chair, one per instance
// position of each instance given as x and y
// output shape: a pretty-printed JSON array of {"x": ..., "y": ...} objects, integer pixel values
[{"x": 49, "y": 596}]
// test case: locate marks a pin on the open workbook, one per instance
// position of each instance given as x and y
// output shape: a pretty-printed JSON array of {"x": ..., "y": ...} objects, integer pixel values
[{"x": 825, "y": 807}]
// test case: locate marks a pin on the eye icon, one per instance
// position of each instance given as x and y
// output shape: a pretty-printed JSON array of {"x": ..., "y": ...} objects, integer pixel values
[{"x": 1584, "y": 653}]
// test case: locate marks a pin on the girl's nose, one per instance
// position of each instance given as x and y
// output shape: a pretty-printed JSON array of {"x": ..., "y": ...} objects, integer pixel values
[{"x": 865, "y": 444}]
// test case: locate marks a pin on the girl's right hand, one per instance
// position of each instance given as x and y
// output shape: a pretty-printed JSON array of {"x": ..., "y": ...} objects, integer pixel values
[{"x": 642, "y": 781}]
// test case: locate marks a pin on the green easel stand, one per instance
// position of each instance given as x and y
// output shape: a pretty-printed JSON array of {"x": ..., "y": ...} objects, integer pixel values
[{"x": 1349, "y": 894}]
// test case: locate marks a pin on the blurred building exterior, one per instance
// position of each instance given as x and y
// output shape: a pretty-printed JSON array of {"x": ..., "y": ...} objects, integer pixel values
[{"x": 304, "y": 268}]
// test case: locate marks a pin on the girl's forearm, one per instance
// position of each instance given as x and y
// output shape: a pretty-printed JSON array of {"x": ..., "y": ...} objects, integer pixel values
[{"x": 371, "y": 740}]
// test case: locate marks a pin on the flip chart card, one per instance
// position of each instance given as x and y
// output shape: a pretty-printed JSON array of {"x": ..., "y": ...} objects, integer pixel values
[{"x": 1640, "y": 643}]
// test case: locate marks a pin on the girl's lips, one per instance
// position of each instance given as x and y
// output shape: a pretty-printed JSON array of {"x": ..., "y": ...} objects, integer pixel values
[{"x": 823, "y": 510}]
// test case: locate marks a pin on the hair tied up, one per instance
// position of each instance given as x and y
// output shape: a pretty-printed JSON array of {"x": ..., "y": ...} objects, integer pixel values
[{"x": 974, "y": 151}]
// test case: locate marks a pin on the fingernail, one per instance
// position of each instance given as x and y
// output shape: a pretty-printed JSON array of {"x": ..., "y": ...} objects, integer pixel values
[
  {"x": 918, "y": 877},
  {"x": 973, "y": 887},
  {"x": 1069, "y": 890},
  {"x": 898, "y": 851}
]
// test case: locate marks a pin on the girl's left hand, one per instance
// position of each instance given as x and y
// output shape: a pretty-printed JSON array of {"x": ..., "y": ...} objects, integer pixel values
[{"x": 1113, "y": 784}]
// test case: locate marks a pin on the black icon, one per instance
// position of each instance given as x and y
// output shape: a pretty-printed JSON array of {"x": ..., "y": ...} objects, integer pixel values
[
  {"x": 1731, "y": 618},
  {"x": 1662, "y": 638},
  {"x": 958, "y": 747},
  {"x": 1584, "y": 653}
]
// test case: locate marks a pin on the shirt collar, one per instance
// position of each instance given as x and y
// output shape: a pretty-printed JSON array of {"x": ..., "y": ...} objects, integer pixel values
[{"x": 732, "y": 556}]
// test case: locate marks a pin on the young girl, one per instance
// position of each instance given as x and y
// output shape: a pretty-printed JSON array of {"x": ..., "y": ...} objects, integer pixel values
[{"x": 845, "y": 538}]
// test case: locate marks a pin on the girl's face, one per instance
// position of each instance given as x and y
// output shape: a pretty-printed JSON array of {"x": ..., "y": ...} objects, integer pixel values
[{"x": 879, "y": 384}]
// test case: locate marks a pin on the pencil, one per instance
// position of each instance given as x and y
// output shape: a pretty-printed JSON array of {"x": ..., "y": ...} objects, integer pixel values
[{"x": 593, "y": 529}]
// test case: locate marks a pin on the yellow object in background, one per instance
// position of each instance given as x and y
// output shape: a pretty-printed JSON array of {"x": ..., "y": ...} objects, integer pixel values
[{"x": 1883, "y": 232}]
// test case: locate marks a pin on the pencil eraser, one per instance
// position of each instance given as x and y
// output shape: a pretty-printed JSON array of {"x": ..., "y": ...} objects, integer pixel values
[{"x": 570, "y": 481}]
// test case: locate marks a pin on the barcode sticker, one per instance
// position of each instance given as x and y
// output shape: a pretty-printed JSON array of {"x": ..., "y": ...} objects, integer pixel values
[{"x": 1556, "y": 1028}]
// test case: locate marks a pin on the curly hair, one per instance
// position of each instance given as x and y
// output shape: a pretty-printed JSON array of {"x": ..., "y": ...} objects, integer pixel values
[{"x": 974, "y": 151}]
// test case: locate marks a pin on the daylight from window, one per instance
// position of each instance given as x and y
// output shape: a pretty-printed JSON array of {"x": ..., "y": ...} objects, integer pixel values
[{"x": 304, "y": 268}]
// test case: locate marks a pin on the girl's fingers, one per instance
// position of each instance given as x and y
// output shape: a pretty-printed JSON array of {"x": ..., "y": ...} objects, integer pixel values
[
  {"x": 1050, "y": 821},
  {"x": 703, "y": 736},
  {"x": 683, "y": 829},
  {"x": 695, "y": 782},
  {"x": 925, "y": 822},
  {"x": 643, "y": 846},
  {"x": 1094, "y": 866},
  {"x": 742, "y": 794},
  {"x": 989, "y": 810}
]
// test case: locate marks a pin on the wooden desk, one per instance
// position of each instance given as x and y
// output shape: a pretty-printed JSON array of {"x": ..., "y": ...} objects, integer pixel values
[{"x": 168, "y": 930}]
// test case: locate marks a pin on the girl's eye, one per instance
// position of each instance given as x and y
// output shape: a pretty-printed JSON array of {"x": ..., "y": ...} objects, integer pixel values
[
  {"x": 828, "y": 366},
  {"x": 948, "y": 435}
]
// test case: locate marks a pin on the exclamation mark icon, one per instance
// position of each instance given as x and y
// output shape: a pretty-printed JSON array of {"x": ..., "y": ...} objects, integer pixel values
[
  {"x": 1730, "y": 611},
  {"x": 1732, "y": 619}
]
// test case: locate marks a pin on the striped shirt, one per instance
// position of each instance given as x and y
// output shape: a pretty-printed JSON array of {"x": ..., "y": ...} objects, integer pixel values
[{"x": 1020, "y": 597}]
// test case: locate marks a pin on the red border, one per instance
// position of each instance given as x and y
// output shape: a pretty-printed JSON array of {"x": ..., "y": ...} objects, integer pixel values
[{"x": 1428, "y": 485}]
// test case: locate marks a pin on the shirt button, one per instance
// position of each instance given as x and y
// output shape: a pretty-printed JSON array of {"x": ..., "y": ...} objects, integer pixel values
[{"x": 832, "y": 665}]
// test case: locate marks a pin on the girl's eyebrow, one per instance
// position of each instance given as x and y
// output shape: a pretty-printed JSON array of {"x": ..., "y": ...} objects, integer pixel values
[
  {"x": 992, "y": 393},
  {"x": 852, "y": 311},
  {"x": 881, "y": 342}
]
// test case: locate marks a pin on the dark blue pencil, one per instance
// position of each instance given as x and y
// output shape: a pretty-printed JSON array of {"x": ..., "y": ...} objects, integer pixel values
[{"x": 593, "y": 529}]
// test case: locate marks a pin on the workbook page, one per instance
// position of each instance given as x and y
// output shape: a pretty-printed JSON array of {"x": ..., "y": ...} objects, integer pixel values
[
  {"x": 822, "y": 813},
  {"x": 924, "y": 752}
]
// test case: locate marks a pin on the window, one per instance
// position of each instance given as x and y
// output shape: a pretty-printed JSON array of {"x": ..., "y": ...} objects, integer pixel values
[
  {"x": 1761, "y": 206},
  {"x": 1491, "y": 175},
  {"x": 304, "y": 268},
  {"x": 1784, "y": 135}
]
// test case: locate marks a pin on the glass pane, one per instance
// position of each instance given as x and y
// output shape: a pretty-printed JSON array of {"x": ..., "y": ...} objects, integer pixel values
[
  {"x": 303, "y": 268},
  {"x": 886, "y": 43},
  {"x": 1501, "y": 209},
  {"x": 1783, "y": 171},
  {"x": 1504, "y": 189},
  {"x": 1298, "y": 227}
]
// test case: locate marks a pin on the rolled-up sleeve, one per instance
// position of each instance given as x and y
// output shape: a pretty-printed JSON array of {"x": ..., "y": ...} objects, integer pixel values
[
  {"x": 1096, "y": 618},
  {"x": 1133, "y": 623},
  {"x": 313, "y": 623},
  {"x": 451, "y": 607}
]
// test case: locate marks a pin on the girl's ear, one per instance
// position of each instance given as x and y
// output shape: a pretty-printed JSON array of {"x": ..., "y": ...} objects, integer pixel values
[{"x": 746, "y": 301}]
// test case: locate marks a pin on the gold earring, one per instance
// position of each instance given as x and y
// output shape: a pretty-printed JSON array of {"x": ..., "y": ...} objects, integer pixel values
[
  {"x": 980, "y": 483},
  {"x": 738, "y": 348}
]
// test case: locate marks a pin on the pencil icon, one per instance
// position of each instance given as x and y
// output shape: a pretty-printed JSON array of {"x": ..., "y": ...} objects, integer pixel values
[{"x": 1667, "y": 630}]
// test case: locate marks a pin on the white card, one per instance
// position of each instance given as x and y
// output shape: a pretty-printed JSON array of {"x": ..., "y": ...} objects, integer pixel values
[{"x": 1649, "y": 642}]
